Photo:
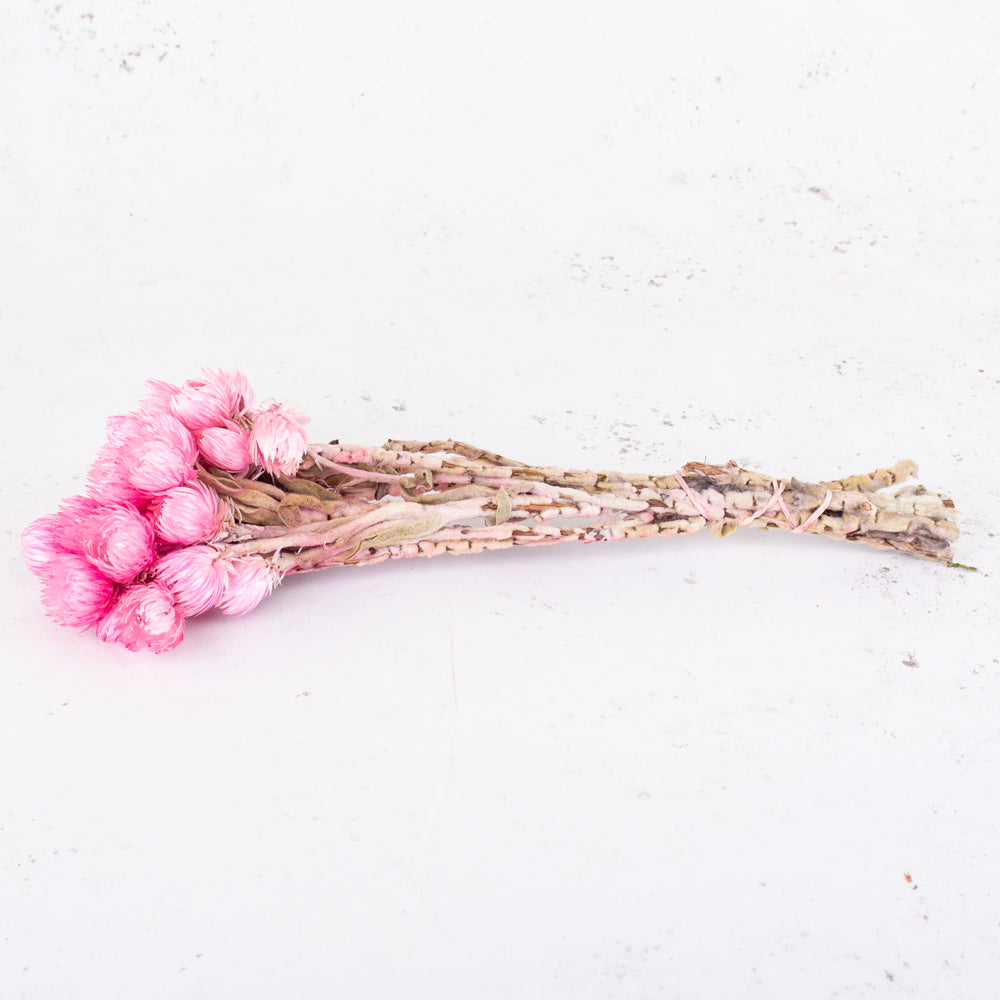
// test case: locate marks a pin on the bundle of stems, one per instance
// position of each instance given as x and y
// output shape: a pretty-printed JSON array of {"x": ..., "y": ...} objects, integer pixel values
[{"x": 354, "y": 506}]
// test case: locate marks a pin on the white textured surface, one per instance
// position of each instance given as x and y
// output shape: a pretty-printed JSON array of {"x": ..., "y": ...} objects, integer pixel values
[{"x": 621, "y": 236}]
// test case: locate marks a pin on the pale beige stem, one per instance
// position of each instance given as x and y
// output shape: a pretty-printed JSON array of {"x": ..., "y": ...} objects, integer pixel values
[{"x": 426, "y": 498}]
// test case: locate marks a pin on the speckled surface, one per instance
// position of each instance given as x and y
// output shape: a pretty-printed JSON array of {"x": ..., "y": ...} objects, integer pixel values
[{"x": 580, "y": 235}]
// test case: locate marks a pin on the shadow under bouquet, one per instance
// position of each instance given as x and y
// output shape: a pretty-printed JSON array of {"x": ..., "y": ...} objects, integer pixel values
[{"x": 203, "y": 499}]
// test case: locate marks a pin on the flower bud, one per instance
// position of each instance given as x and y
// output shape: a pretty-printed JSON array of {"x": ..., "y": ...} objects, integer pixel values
[
  {"x": 278, "y": 439},
  {"x": 75, "y": 592},
  {"x": 145, "y": 616},
  {"x": 118, "y": 541},
  {"x": 226, "y": 447},
  {"x": 187, "y": 514},
  {"x": 248, "y": 581},
  {"x": 195, "y": 577}
]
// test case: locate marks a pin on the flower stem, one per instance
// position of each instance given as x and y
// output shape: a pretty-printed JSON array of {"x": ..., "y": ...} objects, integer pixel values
[{"x": 428, "y": 498}]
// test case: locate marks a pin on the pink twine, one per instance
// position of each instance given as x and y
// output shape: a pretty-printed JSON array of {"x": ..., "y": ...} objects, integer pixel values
[
  {"x": 814, "y": 516},
  {"x": 810, "y": 520},
  {"x": 778, "y": 490},
  {"x": 698, "y": 505}
]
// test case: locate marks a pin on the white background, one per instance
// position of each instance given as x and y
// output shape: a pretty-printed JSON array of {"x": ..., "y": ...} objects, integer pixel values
[{"x": 605, "y": 235}]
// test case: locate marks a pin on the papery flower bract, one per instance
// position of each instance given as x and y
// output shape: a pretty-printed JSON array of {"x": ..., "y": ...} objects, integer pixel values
[
  {"x": 212, "y": 400},
  {"x": 186, "y": 514},
  {"x": 195, "y": 575},
  {"x": 248, "y": 581},
  {"x": 158, "y": 396},
  {"x": 40, "y": 544},
  {"x": 75, "y": 592},
  {"x": 278, "y": 439},
  {"x": 237, "y": 388},
  {"x": 143, "y": 453},
  {"x": 144, "y": 617},
  {"x": 200, "y": 404},
  {"x": 48, "y": 538},
  {"x": 106, "y": 476},
  {"x": 226, "y": 447},
  {"x": 160, "y": 453},
  {"x": 118, "y": 540},
  {"x": 72, "y": 512}
]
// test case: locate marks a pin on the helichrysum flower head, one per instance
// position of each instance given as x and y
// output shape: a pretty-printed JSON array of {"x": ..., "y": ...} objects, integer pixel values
[
  {"x": 157, "y": 397},
  {"x": 187, "y": 514},
  {"x": 106, "y": 476},
  {"x": 46, "y": 540},
  {"x": 41, "y": 545},
  {"x": 160, "y": 455},
  {"x": 118, "y": 540},
  {"x": 248, "y": 581},
  {"x": 226, "y": 447},
  {"x": 144, "y": 617},
  {"x": 144, "y": 453},
  {"x": 75, "y": 592},
  {"x": 236, "y": 387},
  {"x": 212, "y": 400},
  {"x": 195, "y": 576},
  {"x": 278, "y": 440}
]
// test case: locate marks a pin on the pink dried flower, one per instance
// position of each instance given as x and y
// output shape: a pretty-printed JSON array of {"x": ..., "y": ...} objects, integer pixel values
[
  {"x": 118, "y": 541},
  {"x": 48, "y": 538},
  {"x": 278, "y": 439},
  {"x": 213, "y": 399},
  {"x": 41, "y": 545},
  {"x": 186, "y": 514},
  {"x": 144, "y": 453},
  {"x": 248, "y": 581},
  {"x": 226, "y": 447},
  {"x": 158, "y": 396},
  {"x": 195, "y": 576},
  {"x": 236, "y": 386},
  {"x": 72, "y": 512},
  {"x": 145, "y": 616},
  {"x": 160, "y": 454},
  {"x": 106, "y": 476},
  {"x": 75, "y": 592}
]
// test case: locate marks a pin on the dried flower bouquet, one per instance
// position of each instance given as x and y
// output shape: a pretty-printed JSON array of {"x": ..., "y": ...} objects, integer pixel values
[{"x": 201, "y": 499}]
